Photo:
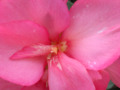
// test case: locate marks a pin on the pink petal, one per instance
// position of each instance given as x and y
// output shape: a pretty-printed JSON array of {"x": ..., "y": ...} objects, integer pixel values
[
  {"x": 53, "y": 14},
  {"x": 32, "y": 51},
  {"x": 23, "y": 33},
  {"x": 95, "y": 75},
  {"x": 100, "y": 79},
  {"x": 65, "y": 1},
  {"x": 39, "y": 86},
  {"x": 68, "y": 74},
  {"x": 94, "y": 34},
  {"x": 114, "y": 72},
  {"x": 5, "y": 85},
  {"x": 14, "y": 36}
]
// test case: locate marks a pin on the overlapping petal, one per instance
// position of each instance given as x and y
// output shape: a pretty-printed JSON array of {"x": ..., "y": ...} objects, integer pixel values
[
  {"x": 65, "y": 1},
  {"x": 32, "y": 51},
  {"x": 114, "y": 71},
  {"x": 13, "y": 36},
  {"x": 94, "y": 32},
  {"x": 38, "y": 86},
  {"x": 5, "y": 85},
  {"x": 100, "y": 79},
  {"x": 69, "y": 74},
  {"x": 52, "y": 14}
]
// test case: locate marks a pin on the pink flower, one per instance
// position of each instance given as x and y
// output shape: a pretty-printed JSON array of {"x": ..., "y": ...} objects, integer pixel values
[{"x": 45, "y": 46}]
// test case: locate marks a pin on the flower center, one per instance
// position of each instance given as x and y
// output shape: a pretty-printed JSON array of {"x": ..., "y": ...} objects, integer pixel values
[{"x": 60, "y": 47}]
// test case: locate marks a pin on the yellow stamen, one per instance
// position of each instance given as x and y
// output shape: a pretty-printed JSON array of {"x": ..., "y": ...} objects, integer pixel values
[
  {"x": 63, "y": 46},
  {"x": 49, "y": 56},
  {"x": 54, "y": 50}
]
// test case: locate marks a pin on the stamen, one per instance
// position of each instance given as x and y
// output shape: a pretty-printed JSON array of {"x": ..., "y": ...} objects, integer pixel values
[
  {"x": 57, "y": 47},
  {"x": 49, "y": 56},
  {"x": 63, "y": 46},
  {"x": 54, "y": 50}
]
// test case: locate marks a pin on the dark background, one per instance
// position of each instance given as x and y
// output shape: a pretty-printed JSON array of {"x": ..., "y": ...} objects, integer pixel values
[{"x": 72, "y": 0}]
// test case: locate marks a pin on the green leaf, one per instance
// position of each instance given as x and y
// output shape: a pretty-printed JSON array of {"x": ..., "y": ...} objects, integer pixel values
[
  {"x": 69, "y": 4},
  {"x": 110, "y": 85}
]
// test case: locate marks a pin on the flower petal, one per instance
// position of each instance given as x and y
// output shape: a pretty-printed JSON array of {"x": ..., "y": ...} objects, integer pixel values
[
  {"x": 94, "y": 32},
  {"x": 5, "y": 85},
  {"x": 32, "y": 51},
  {"x": 52, "y": 14},
  {"x": 39, "y": 86},
  {"x": 114, "y": 72},
  {"x": 68, "y": 74},
  {"x": 14, "y": 36},
  {"x": 65, "y": 1},
  {"x": 100, "y": 79},
  {"x": 23, "y": 33}
]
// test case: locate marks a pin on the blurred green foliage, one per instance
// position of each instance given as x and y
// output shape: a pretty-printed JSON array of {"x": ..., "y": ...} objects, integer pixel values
[
  {"x": 110, "y": 85},
  {"x": 69, "y": 4}
]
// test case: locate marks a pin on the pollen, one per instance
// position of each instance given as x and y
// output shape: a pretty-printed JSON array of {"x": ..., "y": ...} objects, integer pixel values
[
  {"x": 63, "y": 46},
  {"x": 54, "y": 50}
]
